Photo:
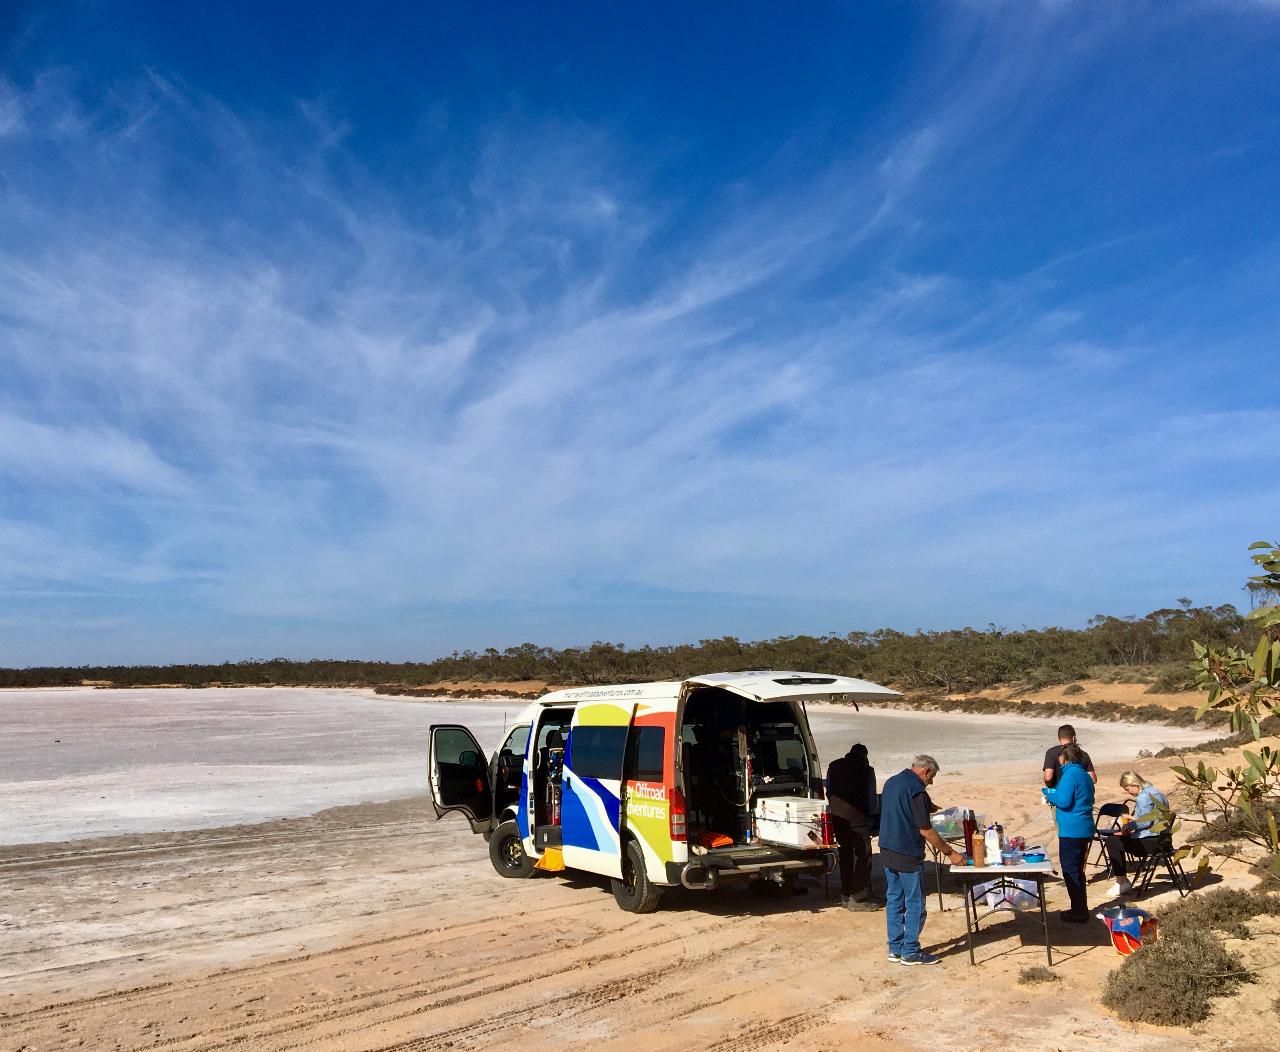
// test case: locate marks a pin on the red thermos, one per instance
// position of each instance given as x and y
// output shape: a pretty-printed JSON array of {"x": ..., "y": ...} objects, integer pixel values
[{"x": 970, "y": 825}]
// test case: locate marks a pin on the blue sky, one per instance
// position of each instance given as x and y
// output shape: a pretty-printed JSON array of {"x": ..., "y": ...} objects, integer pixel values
[{"x": 388, "y": 330}]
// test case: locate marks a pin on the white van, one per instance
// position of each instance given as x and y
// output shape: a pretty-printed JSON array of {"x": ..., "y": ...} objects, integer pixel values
[{"x": 653, "y": 784}]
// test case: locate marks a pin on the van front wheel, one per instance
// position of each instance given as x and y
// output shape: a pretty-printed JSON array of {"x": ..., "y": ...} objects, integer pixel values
[
  {"x": 635, "y": 893},
  {"x": 506, "y": 852}
]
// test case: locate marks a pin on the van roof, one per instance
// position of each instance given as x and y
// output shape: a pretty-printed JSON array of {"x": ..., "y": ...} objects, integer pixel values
[{"x": 763, "y": 685}]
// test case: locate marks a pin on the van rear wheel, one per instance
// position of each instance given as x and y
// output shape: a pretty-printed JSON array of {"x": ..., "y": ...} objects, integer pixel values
[
  {"x": 635, "y": 892},
  {"x": 506, "y": 852}
]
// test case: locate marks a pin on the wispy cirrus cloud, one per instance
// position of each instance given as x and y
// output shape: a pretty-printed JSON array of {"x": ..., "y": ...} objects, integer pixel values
[{"x": 246, "y": 373}]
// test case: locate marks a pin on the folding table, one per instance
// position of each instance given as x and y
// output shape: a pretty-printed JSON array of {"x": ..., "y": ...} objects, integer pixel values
[{"x": 1001, "y": 878}]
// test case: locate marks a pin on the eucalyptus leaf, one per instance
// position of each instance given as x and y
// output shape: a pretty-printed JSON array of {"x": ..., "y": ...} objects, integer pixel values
[{"x": 1260, "y": 656}]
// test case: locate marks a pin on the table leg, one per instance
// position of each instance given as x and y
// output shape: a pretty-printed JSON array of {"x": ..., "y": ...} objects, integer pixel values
[
  {"x": 1044, "y": 922},
  {"x": 967, "y": 892},
  {"x": 937, "y": 876}
]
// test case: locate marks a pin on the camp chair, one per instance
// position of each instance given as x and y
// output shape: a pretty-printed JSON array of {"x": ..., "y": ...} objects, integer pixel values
[
  {"x": 1106, "y": 823},
  {"x": 1151, "y": 853}
]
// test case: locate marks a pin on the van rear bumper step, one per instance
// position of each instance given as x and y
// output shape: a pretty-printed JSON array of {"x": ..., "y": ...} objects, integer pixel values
[
  {"x": 820, "y": 862},
  {"x": 707, "y": 871}
]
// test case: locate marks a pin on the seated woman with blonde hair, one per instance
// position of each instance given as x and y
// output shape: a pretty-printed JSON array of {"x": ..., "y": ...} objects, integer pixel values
[{"x": 1148, "y": 803}]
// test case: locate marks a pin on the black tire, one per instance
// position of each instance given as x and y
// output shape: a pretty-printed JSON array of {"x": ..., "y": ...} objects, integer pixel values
[
  {"x": 635, "y": 893},
  {"x": 506, "y": 852}
]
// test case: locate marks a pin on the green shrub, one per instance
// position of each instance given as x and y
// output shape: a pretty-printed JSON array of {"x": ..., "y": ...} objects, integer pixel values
[
  {"x": 1036, "y": 974},
  {"x": 1267, "y": 879},
  {"x": 1169, "y": 982},
  {"x": 1222, "y": 909},
  {"x": 1173, "y": 679},
  {"x": 1226, "y": 826},
  {"x": 1074, "y": 688}
]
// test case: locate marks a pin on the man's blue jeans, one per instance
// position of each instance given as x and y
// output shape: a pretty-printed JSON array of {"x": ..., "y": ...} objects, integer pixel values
[{"x": 904, "y": 910}]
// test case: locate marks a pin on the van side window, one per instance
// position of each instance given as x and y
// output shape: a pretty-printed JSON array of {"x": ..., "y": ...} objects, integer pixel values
[
  {"x": 516, "y": 741},
  {"x": 644, "y": 758},
  {"x": 596, "y": 752}
]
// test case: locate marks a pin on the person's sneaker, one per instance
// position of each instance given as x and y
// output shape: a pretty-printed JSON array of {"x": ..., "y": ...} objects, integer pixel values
[
  {"x": 1120, "y": 887},
  {"x": 1074, "y": 918},
  {"x": 893, "y": 958},
  {"x": 860, "y": 906},
  {"x": 920, "y": 958}
]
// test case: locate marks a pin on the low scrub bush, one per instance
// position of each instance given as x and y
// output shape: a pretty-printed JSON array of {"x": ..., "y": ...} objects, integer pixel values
[
  {"x": 1073, "y": 688},
  {"x": 1173, "y": 679},
  {"x": 1183, "y": 716},
  {"x": 1222, "y": 909},
  {"x": 1228, "y": 826},
  {"x": 1270, "y": 726},
  {"x": 1267, "y": 879},
  {"x": 1170, "y": 982},
  {"x": 1036, "y": 974}
]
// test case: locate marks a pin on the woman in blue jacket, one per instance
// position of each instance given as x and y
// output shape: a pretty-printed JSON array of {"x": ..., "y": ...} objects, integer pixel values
[{"x": 1073, "y": 799}]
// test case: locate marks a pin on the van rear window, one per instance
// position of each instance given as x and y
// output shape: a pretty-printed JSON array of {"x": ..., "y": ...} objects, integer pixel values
[
  {"x": 648, "y": 748},
  {"x": 596, "y": 752}
]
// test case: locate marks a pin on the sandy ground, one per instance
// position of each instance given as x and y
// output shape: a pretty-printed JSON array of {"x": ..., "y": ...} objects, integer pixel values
[{"x": 375, "y": 927}]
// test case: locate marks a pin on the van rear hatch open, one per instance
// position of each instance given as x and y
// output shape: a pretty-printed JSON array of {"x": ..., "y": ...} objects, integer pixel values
[{"x": 801, "y": 686}]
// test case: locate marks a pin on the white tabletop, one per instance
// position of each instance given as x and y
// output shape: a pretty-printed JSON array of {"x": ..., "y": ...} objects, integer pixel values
[{"x": 1022, "y": 868}]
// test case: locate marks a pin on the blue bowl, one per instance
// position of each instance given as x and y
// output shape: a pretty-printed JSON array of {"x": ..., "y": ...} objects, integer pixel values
[{"x": 1035, "y": 856}]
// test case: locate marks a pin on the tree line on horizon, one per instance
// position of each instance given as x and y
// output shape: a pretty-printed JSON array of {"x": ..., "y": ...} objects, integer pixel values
[{"x": 945, "y": 661}]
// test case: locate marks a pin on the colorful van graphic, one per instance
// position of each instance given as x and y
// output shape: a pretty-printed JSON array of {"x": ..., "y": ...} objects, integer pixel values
[{"x": 653, "y": 785}]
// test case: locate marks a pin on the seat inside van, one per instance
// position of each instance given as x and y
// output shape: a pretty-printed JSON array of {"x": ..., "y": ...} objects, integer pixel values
[
  {"x": 548, "y": 765},
  {"x": 734, "y": 751}
]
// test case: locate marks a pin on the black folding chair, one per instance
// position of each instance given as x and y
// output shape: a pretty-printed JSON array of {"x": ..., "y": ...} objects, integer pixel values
[
  {"x": 1106, "y": 823},
  {"x": 1151, "y": 853}
]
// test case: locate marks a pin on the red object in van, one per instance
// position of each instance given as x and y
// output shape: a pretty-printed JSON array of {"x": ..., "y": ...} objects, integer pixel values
[{"x": 828, "y": 830}]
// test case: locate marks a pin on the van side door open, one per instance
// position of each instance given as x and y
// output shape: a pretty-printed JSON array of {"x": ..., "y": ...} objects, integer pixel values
[
  {"x": 460, "y": 775},
  {"x": 594, "y": 759}
]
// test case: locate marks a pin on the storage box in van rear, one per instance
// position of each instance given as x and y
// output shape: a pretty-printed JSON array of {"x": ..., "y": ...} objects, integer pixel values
[{"x": 790, "y": 821}]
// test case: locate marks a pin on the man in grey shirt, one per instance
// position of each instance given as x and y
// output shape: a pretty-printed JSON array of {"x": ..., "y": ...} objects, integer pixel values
[{"x": 1052, "y": 758}]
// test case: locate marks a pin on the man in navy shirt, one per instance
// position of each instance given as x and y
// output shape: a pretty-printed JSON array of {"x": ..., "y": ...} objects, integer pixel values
[
  {"x": 904, "y": 831},
  {"x": 851, "y": 798}
]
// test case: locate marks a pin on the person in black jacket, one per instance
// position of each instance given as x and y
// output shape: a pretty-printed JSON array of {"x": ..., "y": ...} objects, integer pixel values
[{"x": 851, "y": 797}]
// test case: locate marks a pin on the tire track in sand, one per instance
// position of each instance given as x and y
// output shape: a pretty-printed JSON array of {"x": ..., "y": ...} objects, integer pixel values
[
  {"x": 345, "y": 1011},
  {"x": 440, "y": 933}
]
